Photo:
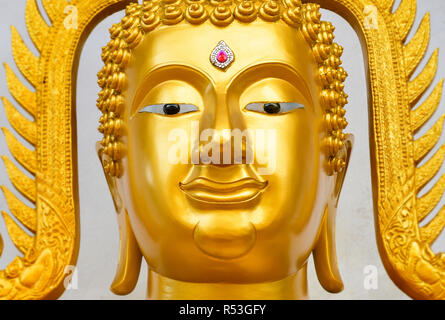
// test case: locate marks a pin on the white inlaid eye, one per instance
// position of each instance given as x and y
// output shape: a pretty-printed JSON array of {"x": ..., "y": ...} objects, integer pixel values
[
  {"x": 274, "y": 107},
  {"x": 170, "y": 108}
]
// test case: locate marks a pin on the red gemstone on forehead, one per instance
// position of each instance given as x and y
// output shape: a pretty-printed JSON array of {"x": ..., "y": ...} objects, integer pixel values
[{"x": 222, "y": 56}]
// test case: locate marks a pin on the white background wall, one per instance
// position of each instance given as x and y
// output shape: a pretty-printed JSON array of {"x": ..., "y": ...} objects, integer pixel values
[{"x": 97, "y": 261}]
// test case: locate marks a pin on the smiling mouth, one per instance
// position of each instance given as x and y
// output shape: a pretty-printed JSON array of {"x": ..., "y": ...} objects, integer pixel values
[{"x": 206, "y": 190}]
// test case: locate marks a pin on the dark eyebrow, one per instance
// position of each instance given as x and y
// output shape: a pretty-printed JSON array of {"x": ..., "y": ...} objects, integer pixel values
[
  {"x": 164, "y": 73},
  {"x": 273, "y": 69}
]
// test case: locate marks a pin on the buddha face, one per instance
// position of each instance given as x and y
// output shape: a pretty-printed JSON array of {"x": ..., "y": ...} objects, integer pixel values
[{"x": 255, "y": 215}]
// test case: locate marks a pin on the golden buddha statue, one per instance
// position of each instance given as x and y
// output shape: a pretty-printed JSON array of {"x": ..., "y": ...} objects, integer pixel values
[
  {"x": 231, "y": 217},
  {"x": 223, "y": 147}
]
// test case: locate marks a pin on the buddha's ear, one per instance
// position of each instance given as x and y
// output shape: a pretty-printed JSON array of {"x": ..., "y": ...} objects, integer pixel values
[
  {"x": 111, "y": 181},
  {"x": 340, "y": 177},
  {"x": 130, "y": 256},
  {"x": 325, "y": 253}
]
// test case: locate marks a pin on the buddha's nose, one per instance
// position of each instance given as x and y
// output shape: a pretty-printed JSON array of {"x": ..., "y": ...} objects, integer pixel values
[
  {"x": 226, "y": 126},
  {"x": 231, "y": 149},
  {"x": 223, "y": 141},
  {"x": 224, "y": 117}
]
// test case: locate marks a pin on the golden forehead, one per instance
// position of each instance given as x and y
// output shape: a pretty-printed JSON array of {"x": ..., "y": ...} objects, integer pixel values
[{"x": 255, "y": 45}]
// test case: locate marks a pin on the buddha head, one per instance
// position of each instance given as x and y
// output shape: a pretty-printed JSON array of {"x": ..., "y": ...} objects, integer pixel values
[{"x": 222, "y": 140}]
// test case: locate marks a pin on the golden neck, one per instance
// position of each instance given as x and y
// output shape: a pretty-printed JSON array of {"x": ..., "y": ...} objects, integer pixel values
[{"x": 291, "y": 288}]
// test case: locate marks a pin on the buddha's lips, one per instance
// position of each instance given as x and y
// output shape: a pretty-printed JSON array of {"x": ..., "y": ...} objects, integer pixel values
[{"x": 204, "y": 189}]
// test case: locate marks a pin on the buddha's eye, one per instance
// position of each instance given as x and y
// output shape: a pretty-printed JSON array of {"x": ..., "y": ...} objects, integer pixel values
[
  {"x": 170, "y": 108},
  {"x": 273, "y": 107}
]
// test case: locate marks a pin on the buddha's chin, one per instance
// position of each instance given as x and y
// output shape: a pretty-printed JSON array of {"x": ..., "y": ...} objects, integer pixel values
[{"x": 224, "y": 236}]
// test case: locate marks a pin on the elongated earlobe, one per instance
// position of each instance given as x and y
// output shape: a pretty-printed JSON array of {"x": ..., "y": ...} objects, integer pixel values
[
  {"x": 325, "y": 254},
  {"x": 130, "y": 258}
]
